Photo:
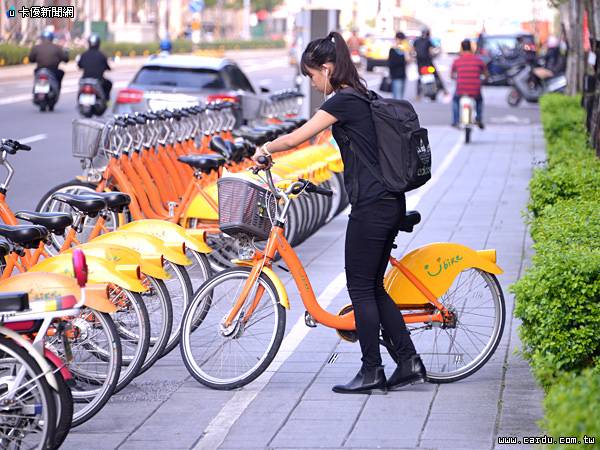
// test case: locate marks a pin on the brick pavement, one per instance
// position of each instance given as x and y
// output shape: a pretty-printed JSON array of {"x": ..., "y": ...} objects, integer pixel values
[{"x": 477, "y": 202}]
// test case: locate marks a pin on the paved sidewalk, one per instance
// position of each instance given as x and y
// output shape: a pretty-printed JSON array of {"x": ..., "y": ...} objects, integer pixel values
[{"x": 477, "y": 201}]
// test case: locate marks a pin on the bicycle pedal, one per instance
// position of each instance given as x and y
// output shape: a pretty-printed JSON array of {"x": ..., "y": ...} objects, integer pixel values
[{"x": 309, "y": 321}]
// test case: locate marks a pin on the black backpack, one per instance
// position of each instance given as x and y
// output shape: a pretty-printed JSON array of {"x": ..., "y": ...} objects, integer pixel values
[{"x": 403, "y": 146}]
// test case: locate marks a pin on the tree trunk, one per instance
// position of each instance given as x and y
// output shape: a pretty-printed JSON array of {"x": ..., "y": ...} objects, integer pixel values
[
  {"x": 592, "y": 99},
  {"x": 571, "y": 13}
]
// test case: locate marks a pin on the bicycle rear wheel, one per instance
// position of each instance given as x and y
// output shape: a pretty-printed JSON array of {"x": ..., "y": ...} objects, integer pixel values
[
  {"x": 451, "y": 353},
  {"x": 230, "y": 357},
  {"x": 96, "y": 361},
  {"x": 27, "y": 409}
]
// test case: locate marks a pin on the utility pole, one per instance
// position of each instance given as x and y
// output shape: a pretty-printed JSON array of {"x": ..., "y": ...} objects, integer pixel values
[
  {"x": 246, "y": 30},
  {"x": 87, "y": 29}
]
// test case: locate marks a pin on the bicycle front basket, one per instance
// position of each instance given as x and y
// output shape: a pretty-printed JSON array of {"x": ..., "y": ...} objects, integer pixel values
[
  {"x": 87, "y": 137},
  {"x": 245, "y": 208}
]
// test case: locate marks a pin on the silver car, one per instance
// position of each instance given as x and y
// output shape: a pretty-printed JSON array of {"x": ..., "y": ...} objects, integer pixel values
[{"x": 174, "y": 81}]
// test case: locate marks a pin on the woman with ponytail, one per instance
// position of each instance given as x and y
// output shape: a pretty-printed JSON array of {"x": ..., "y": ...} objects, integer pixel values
[{"x": 375, "y": 217}]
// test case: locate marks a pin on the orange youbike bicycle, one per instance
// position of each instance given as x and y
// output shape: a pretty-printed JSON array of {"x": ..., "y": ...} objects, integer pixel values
[{"x": 449, "y": 295}]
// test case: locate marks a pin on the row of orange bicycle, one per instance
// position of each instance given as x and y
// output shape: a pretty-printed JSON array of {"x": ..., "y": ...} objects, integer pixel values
[
  {"x": 146, "y": 216},
  {"x": 180, "y": 240}
]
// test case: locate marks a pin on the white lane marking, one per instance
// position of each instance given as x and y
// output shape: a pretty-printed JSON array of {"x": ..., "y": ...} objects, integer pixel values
[
  {"x": 413, "y": 200},
  {"x": 217, "y": 430},
  {"x": 34, "y": 138},
  {"x": 29, "y": 96}
]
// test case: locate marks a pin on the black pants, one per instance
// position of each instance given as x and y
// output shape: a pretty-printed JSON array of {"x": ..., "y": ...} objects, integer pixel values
[
  {"x": 106, "y": 86},
  {"x": 370, "y": 235}
]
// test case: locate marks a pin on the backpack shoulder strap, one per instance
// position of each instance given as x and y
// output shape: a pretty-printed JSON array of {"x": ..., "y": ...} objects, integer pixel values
[
  {"x": 360, "y": 156},
  {"x": 348, "y": 90}
]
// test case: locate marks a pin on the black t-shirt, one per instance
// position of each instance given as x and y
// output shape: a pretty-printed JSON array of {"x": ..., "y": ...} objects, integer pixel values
[
  {"x": 422, "y": 46},
  {"x": 354, "y": 120},
  {"x": 94, "y": 63}
]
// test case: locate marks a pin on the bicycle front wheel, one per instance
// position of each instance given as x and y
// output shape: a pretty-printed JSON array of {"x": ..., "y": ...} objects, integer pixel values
[
  {"x": 228, "y": 357},
  {"x": 27, "y": 408},
  {"x": 453, "y": 352}
]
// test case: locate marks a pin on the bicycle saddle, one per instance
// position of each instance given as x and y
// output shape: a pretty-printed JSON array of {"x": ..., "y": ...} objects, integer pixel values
[
  {"x": 255, "y": 138},
  {"x": 115, "y": 201},
  {"x": 28, "y": 236},
  {"x": 410, "y": 220},
  {"x": 90, "y": 204},
  {"x": 14, "y": 301},
  {"x": 56, "y": 222},
  {"x": 203, "y": 163},
  {"x": 218, "y": 145}
]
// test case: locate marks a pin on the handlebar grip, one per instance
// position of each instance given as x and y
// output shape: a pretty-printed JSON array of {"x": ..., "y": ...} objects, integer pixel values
[
  {"x": 323, "y": 191},
  {"x": 263, "y": 160},
  {"x": 311, "y": 187}
]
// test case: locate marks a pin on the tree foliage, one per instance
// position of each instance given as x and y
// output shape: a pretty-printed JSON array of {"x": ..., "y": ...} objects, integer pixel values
[{"x": 255, "y": 5}]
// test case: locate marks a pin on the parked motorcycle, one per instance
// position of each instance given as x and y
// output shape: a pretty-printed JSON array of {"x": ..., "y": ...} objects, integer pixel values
[
  {"x": 530, "y": 83},
  {"x": 428, "y": 81},
  {"x": 91, "y": 99},
  {"x": 45, "y": 89}
]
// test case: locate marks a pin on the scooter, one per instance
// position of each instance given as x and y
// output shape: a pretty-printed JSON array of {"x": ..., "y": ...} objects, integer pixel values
[
  {"x": 91, "y": 99},
  {"x": 45, "y": 90},
  {"x": 428, "y": 81},
  {"x": 532, "y": 82},
  {"x": 467, "y": 115}
]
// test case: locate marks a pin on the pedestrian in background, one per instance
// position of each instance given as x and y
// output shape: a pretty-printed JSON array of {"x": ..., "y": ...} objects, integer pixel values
[{"x": 398, "y": 58}]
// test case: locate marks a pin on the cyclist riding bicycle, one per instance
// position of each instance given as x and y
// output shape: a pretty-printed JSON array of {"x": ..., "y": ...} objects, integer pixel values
[
  {"x": 48, "y": 55},
  {"x": 94, "y": 63},
  {"x": 375, "y": 218}
]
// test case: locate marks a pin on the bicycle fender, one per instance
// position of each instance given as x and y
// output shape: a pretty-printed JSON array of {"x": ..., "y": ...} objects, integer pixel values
[
  {"x": 145, "y": 245},
  {"x": 36, "y": 355},
  {"x": 123, "y": 256},
  {"x": 44, "y": 286},
  {"x": 171, "y": 233},
  {"x": 99, "y": 271},
  {"x": 281, "y": 292},
  {"x": 435, "y": 266},
  {"x": 58, "y": 363},
  {"x": 199, "y": 208}
]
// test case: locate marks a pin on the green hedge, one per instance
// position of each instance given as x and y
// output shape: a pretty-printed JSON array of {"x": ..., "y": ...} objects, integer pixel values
[
  {"x": 572, "y": 410},
  {"x": 558, "y": 298},
  {"x": 13, "y": 54}
]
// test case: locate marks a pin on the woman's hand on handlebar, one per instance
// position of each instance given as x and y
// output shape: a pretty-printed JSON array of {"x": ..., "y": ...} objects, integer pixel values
[{"x": 262, "y": 158}]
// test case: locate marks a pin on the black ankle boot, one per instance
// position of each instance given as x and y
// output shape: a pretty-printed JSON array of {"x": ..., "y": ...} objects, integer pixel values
[
  {"x": 364, "y": 382},
  {"x": 410, "y": 371}
]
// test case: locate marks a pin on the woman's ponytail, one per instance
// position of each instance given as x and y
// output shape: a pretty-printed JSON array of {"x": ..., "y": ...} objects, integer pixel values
[{"x": 333, "y": 49}]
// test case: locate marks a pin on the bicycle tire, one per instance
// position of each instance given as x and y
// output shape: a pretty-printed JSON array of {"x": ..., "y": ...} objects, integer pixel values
[
  {"x": 484, "y": 355},
  {"x": 201, "y": 271},
  {"x": 160, "y": 337},
  {"x": 109, "y": 382},
  {"x": 10, "y": 350},
  {"x": 192, "y": 323},
  {"x": 134, "y": 345},
  {"x": 64, "y": 408}
]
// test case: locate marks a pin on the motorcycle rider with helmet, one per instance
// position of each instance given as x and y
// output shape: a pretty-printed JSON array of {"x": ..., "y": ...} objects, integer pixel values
[
  {"x": 165, "y": 47},
  {"x": 423, "y": 48},
  {"x": 94, "y": 63},
  {"x": 48, "y": 56}
]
